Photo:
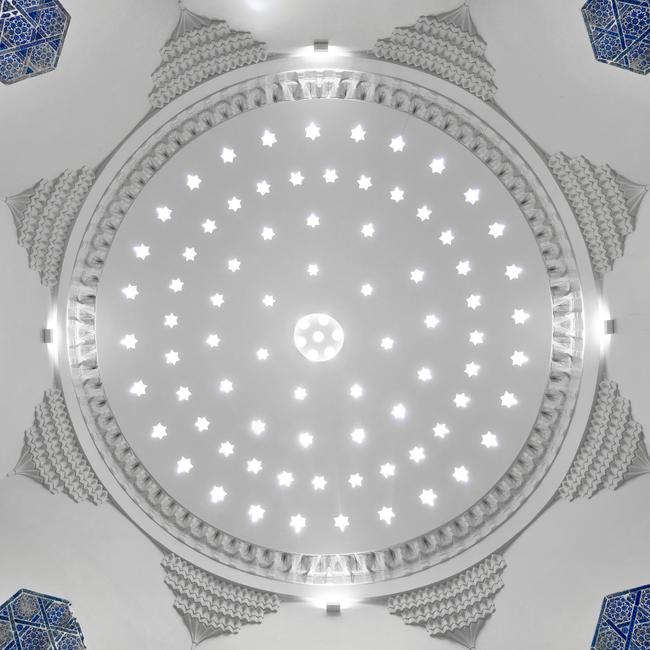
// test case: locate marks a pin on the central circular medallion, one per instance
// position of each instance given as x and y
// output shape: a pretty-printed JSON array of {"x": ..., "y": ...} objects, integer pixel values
[{"x": 318, "y": 337}]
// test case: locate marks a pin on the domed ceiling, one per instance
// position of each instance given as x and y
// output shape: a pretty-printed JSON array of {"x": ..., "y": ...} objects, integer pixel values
[{"x": 331, "y": 323}]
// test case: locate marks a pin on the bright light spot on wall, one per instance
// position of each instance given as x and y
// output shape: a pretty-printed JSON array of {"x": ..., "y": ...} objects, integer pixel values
[
  {"x": 297, "y": 522},
  {"x": 139, "y": 388},
  {"x": 158, "y": 431},
  {"x": 341, "y": 522},
  {"x": 496, "y": 230},
  {"x": 364, "y": 182},
  {"x": 130, "y": 291},
  {"x": 387, "y": 343},
  {"x": 296, "y": 178},
  {"x": 397, "y": 144},
  {"x": 356, "y": 391},
  {"x": 172, "y": 357},
  {"x": 226, "y": 448},
  {"x": 461, "y": 400},
  {"x": 305, "y": 439},
  {"x": 508, "y": 399},
  {"x": 476, "y": 337},
  {"x": 357, "y": 133},
  {"x": 330, "y": 175},
  {"x": 489, "y": 440},
  {"x": 226, "y": 386},
  {"x": 193, "y": 181},
  {"x": 202, "y": 424},
  {"x": 189, "y": 254},
  {"x": 428, "y": 497},
  {"x": 268, "y": 139},
  {"x": 256, "y": 513},
  {"x": 386, "y": 514},
  {"x": 355, "y": 480},
  {"x": 312, "y": 131},
  {"x": 358, "y": 435},
  {"x": 141, "y": 251},
  {"x": 520, "y": 316},
  {"x": 234, "y": 204},
  {"x": 461, "y": 474},
  {"x": 437, "y": 165},
  {"x": 417, "y": 454},
  {"x": 218, "y": 494},
  {"x": 263, "y": 188},
  {"x": 446, "y": 237},
  {"x": 513, "y": 271},
  {"x": 518, "y": 358},
  {"x": 300, "y": 393},
  {"x": 184, "y": 465},
  {"x": 398, "y": 411},
  {"x": 209, "y": 226},
  {"x": 171, "y": 320},
  {"x": 254, "y": 466},
  {"x": 176, "y": 285},
  {"x": 440, "y": 430},
  {"x": 228, "y": 155},
  {"x": 129, "y": 341},
  {"x": 424, "y": 374},
  {"x": 213, "y": 340},
  {"x": 471, "y": 196},
  {"x": 258, "y": 427},
  {"x": 387, "y": 470},
  {"x": 183, "y": 394},
  {"x": 397, "y": 195},
  {"x": 319, "y": 482},
  {"x": 164, "y": 214}
]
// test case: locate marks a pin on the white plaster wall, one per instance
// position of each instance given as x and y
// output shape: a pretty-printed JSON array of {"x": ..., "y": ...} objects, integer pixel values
[{"x": 549, "y": 83}]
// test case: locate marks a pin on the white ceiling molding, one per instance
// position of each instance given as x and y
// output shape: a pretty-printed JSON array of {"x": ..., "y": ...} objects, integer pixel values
[
  {"x": 455, "y": 608},
  {"x": 548, "y": 430},
  {"x": 52, "y": 456},
  {"x": 200, "y": 48},
  {"x": 604, "y": 202},
  {"x": 613, "y": 449},
  {"x": 447, "y": 45},
  {"x": 44, "y": 215},
  {"x": 210, "y": 606}
]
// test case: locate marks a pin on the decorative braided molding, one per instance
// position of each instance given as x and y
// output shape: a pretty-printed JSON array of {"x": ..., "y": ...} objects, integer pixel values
[
  {"x": 604, "y": 203},
  {"x": 44, "y": 216},
  {"x": 52, "y": 455},
  {"x": 446, "y": 45},
  {"x": 199, "y": 49},
  {"x": 612, "y": 450},
  {"x": 557, "y": 402},
  {"x": 210, "y": 606},
  {"x": 455, "y": 608}
]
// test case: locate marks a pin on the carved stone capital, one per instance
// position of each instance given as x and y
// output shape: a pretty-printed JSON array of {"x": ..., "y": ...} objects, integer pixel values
[
  {"x": 199, "y": 49},
  {"x": 455, "y": 608},
  {"x": 612, "y": 450},
  {"x": 52, "y": 455},
  {"x": 446, "y": 45},
  {"x": 44, "y": 215},
  {"x": 210, "y": 606},
  {"x": 604, "y": 203}
]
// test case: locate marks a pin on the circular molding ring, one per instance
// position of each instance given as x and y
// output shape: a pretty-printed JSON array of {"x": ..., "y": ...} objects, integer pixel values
[{"x": 570, "y": 334}]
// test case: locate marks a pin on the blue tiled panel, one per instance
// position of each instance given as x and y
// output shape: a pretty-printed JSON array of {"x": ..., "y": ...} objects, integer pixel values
[
  {"x": 33, "y": 621},
  {"x": 31, "y": 37},
  {"x": 619, "y": 31},
  {"x": 624, "y": 622}
]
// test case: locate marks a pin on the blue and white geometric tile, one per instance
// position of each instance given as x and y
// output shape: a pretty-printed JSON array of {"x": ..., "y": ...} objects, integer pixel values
[
  {"x": 31, "y": 37},
  {"x": 619, "y": 31},
  {"x": 624, "y": 621},
  {"x": 33, "y": 621}
]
